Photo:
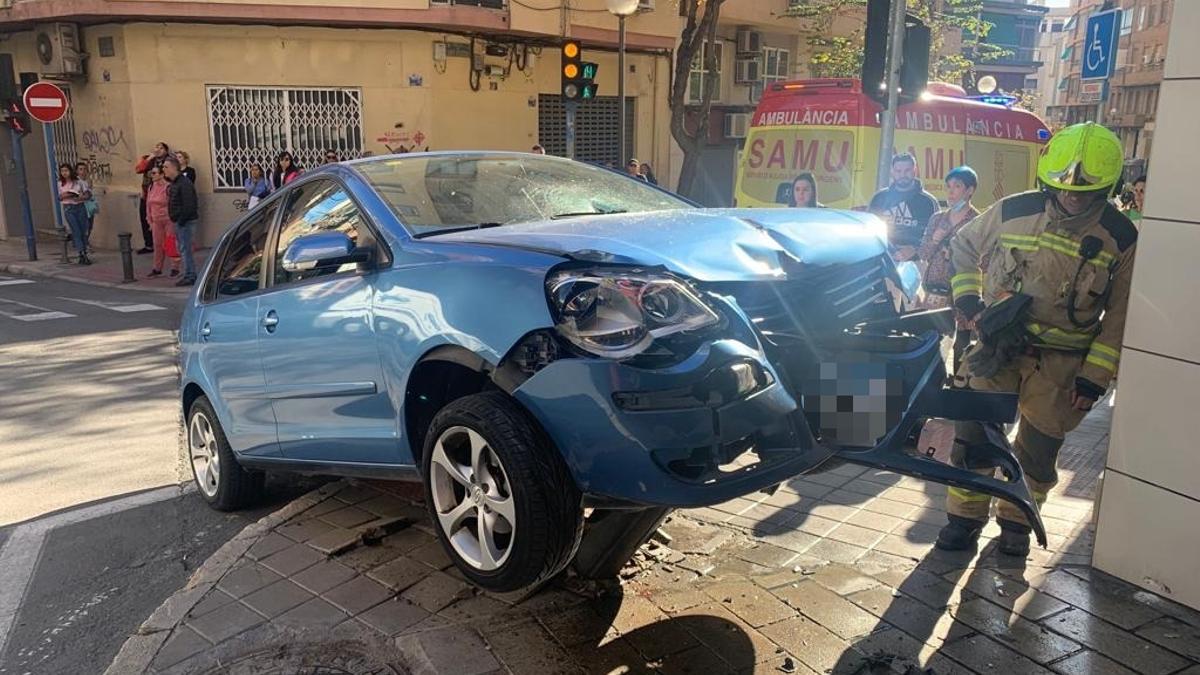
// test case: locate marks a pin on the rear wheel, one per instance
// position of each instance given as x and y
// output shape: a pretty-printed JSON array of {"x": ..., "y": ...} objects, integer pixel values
[
  {"x": 507, "y": 511},
  {"x": 223, "y": 483}
]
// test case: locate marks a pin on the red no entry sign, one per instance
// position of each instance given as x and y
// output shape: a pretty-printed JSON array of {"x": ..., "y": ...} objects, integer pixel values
[{"x": 45, "y": 102}]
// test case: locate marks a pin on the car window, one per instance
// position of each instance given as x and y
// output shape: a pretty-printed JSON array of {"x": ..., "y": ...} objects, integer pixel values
[
  {"x": 241, "y": 267},
  {"x": 436, "y": 193},
  {"x": 320, "y": 206}
]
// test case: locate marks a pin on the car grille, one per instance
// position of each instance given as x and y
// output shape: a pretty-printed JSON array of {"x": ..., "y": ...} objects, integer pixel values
[{"x": 817, "y": 301}]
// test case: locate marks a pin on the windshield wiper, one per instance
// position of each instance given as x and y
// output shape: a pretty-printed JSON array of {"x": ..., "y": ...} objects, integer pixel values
[
  {"x": 463, "y": 228},
  {"x": 600, "y": 212}
]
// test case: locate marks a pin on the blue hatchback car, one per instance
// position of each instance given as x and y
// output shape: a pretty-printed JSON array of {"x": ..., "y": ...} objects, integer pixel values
[{"x": 538, "y": 340}]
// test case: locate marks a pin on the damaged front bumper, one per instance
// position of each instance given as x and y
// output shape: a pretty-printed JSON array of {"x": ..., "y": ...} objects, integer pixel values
[{"x": 735, "y": 418}]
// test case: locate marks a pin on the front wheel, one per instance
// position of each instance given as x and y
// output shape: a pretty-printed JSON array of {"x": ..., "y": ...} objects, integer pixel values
[
  {"x": 223, "y": 483},
  {"x": 507, "y": 510}
]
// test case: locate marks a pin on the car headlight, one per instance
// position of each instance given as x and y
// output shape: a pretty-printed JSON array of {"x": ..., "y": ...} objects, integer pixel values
[{"x": 618, "y": 313}]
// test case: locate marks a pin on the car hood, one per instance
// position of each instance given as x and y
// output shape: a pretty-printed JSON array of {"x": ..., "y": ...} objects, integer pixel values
[{"x": 704, "y": 244}]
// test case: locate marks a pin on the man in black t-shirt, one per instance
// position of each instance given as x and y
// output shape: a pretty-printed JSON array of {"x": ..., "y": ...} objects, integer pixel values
[{"x": 905, "y": 206}]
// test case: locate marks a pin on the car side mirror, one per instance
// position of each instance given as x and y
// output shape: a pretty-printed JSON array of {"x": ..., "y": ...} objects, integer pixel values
[{"x": 324, "y": 249}]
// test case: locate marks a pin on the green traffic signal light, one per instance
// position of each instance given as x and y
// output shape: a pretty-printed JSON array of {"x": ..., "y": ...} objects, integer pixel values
[{"x": 589, "y": 70}]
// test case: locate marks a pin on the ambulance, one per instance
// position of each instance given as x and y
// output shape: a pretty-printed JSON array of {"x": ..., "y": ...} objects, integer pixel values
[{"x": 830, "y": 128}]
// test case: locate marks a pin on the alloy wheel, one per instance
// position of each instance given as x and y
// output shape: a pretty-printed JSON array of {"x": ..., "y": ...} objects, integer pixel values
[
  {"x": 206, "y": 458},
  {"x": 473, "y": 498}
]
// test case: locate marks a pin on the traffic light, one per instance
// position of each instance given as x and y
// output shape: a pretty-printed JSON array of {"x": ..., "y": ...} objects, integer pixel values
[
  {"x": 914, "y": 62},
  {"x": 15, "y": 117},
  {"x": 577, "y": 75}
]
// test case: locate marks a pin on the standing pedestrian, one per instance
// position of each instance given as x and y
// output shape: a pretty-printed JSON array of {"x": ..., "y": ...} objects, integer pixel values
[
  {"x": 331, "y": 156},
  {"x": 804, "y": 192},
  {"x": 158, "y": 213},
  {"x": 154, "y": 159},
  {"x": 183, "y": 208},
  {"x": 537, "y": 149},
  {"x": 185, "y": 166},
  {"x": 73, "y": 193},
  {"x": 1053, "y": 303},
  {"x": 93, "y": 206},
  {"x": 1135, "y": 209},
  {"x": 905, "y": 207},
  {"x": 633, "y": 168},
  {"x": 286, "y": 170},
  {"x": 257, "y": 186},
  {"x": 933, "y": 255},
  {"x": 647, "y": 173}
]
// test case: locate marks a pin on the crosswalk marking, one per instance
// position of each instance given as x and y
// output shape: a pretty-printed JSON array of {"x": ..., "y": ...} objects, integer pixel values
[
  {"x": 123, "y": 307},
  {"x": 9, "y": 281},
  {"x": 13, "y": 310}
]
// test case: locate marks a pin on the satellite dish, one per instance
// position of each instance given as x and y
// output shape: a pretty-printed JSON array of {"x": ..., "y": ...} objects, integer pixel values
[{"x": 986, "y": 84}]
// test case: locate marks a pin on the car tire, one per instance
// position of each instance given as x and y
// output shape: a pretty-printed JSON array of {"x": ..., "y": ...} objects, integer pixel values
[
  {"x": 220, "y": 479},
  {"x": 516, "y": 473}
]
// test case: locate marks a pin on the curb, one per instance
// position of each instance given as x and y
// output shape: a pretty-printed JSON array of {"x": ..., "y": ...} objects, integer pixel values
[
  {"x": 38, "y": 271},
  {"x": 140, "y": 649}
]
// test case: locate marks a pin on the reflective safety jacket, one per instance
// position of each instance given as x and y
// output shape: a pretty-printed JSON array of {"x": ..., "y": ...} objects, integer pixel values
[{"x": 1031, "y": 246}]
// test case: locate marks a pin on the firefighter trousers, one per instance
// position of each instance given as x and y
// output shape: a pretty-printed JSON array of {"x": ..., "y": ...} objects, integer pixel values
[{"x": 1044, "y": 382}]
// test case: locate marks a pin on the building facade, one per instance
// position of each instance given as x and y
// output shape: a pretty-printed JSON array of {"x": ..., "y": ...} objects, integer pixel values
[
  {"x": 1015, "y": 29},
  {"x": 233, "y": 84},
  {"x": 1132, "y": 98},
  {"x": 1052, "y": 39}
]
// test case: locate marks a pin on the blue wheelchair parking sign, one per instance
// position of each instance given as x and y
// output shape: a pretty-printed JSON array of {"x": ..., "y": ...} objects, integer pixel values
[{"x": 1100, "y": 45}]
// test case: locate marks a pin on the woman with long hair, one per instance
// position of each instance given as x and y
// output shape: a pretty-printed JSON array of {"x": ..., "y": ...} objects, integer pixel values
[
  {"x": 804, "y": 192},
  {"x": 73, "y": 193},
  {"x": 286, "y": 170},
  {"x": 158, "y": 213}
]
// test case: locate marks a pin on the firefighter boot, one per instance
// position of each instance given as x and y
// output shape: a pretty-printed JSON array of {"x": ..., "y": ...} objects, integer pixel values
[
  {"x": 960, "y": 534},
  {"x": 1014, "y": 538}
]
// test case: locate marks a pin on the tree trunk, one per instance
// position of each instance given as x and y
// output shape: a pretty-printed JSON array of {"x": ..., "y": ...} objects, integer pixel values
[{"x": 692, "y": 140}]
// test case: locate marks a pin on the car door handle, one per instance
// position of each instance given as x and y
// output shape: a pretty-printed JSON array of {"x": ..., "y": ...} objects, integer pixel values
[
  {"x": 270, "y": 321},
  {"x": 205, "y": 332}
]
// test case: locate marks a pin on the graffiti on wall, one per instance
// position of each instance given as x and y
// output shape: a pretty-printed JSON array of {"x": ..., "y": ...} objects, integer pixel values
[
  {"x": 108, "y": 141},
  {"x": 241, "y": 205},
  {"x": 397, "y": 140},
  {"x": 99, "y": 173}
]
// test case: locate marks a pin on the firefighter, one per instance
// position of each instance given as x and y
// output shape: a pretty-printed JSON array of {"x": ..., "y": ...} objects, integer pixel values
[{"x": 1054, "y": 295}]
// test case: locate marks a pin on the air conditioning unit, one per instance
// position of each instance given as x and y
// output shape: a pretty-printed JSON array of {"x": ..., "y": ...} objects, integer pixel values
[
  {"x": 736, "y": 124},
  {"x": 747, "y": 71},
  {"x": 645, "y": 5},
  {"x": 749, "y": 41},
  {"x": 59, "y": 49}
]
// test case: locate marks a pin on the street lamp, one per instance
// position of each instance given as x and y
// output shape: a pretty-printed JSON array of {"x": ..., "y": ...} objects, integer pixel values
[{"x": 622, "y": 9}]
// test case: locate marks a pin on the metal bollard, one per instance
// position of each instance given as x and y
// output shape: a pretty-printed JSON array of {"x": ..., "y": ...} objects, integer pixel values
[
  {"x": 66, "y": 255},
  {"x": 126, "y": 247}
]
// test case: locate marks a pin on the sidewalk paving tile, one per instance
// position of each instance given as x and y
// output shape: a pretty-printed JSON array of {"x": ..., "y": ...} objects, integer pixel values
[
  {"x": 874, "y": 521},
  {"x": 432, "y": 554},
  {"x": 926, "y": 625},
  {"x": 316, "y": 614},
  {"x": 843, "y": 580},
  {"x": 1069, "y": 588},
  {"x": 303, "y": 530},
  {"x": 364, "y": 558},
  {"x": 226, "y": 622},
  {"x": 698, "y": 659},
  {"x": 583, "y": 626},
  {"x": 436, "y": 592},
  {"x": 815, "y": 525},
  {"x": 476, "y": 608},
  {"x": 984, "y": 655},
  {"x": 356, "y": 493},
  {"x": 617, "y": 656},
  {"x": 348, "y": 517},
  {"x": 324, "y": 576},
  {"x": 400, "y": 573},
  {"x": 720, "y": 630},
  {"x": 853, "y": 534},
  {"x": 828, "y": 609},
  {"x": 391, "y": 617},
  {"x": 246, "y": 579},
  {"x": 750, "y": 602},
  {"x": 767, "y": 555},
  {"x": 528, "y": 648},
  {"x": 931, "y": 589},
  {"x": 357, "y": 595},
  {"x": 907, "y": 655},
  {"x": 1113, "y": 642},
  {"x": 451, "y": 650},
  {"x": 812, "y": 644},
  {"x": 1174, "y": 635},
  {"x": 836, "y": 551},
  {"x": 1088, "y": 662},
  {"x": 277, "y": 598},
  {"x": 389, "y": 506},
  {"x": 293, "y": 559},
  {"x": 1013, "y": 594},
  {"x": 184, "y": 642},
  {"x": 215, "y": 599},
  {"x": 268, "y": 545},
  {"x": 1028, "y": 638},
  {"x": 334, "y": 541}
]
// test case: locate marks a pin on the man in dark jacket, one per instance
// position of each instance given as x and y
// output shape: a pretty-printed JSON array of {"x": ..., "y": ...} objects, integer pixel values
[
  {"x": 905, "y": 206},
  {"x": 184, "y": 209}
]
